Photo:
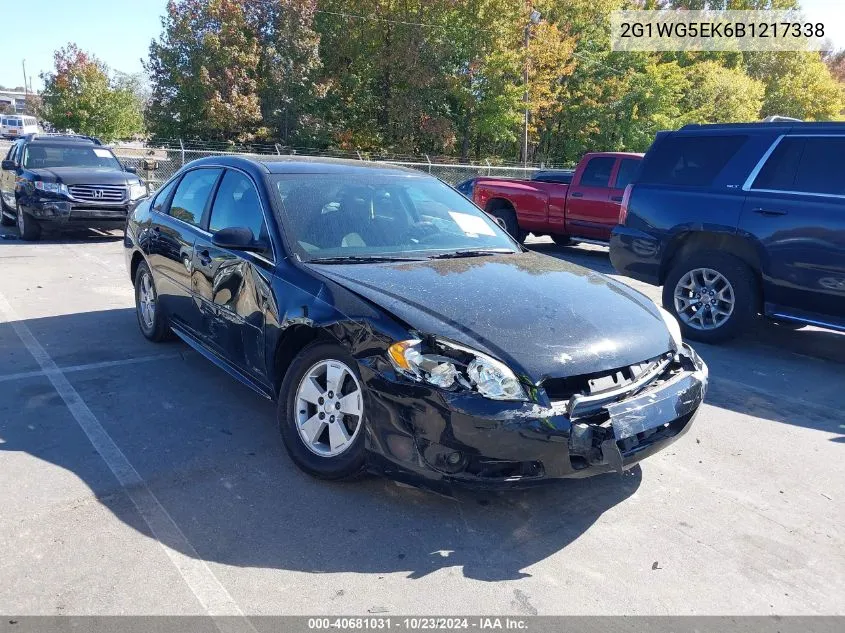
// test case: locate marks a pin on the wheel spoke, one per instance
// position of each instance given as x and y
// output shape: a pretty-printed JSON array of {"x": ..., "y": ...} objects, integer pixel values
[
  {"x": 350, "y": 404},
  {"x": 334, "y": 377},
  {"x": 310, "y": 391},
  {"x": 338, "y": 435},
  {"x": 312, "y": 428}
]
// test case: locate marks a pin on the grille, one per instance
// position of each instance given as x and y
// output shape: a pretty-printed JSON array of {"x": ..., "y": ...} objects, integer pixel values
[{"x": 98, "y": 193}]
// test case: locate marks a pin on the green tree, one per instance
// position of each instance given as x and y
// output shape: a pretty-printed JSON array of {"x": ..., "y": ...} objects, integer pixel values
[
  {"x": 78, "y": 94},
  {"x": 797, "y": 84},
  {"x": 204, "y": 73},
  {"x": 717, "y": 94}
]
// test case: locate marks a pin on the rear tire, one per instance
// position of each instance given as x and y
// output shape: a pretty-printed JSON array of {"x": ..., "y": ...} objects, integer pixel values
[
  {"x": 728, "y": 274},
  {"x": 322, "y": 457},
  {"x": 507, "y": 216},
  {"x": 151, "y": 319},
  {"x": 28, "y": 227}
]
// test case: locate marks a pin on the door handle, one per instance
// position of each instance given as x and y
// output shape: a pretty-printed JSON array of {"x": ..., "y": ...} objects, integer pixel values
[
  {"x": 769, "y": 211},
  {"x": 576, "y": 194},
  {"x": 616, "y": 198},
  {"x": 205, "y": 258}
]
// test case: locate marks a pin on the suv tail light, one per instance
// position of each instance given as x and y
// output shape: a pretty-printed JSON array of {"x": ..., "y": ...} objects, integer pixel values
[{"x": 623, "y": 208}]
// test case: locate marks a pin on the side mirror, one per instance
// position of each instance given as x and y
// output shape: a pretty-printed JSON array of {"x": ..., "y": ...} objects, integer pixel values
[
  {"x": 9, "y": 165},
  {"x": 131, "y": 170},
  {"x": 238, "y": 238}
]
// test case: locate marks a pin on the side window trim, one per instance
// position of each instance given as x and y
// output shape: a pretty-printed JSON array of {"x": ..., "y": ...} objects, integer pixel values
[
  {"x": 213, "y": 198},
  {"x": 757, "y": 168}
]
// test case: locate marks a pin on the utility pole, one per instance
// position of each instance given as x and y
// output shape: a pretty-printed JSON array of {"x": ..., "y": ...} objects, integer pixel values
[
  {"x": 25, "y": 89},
  {"x": 533, "y": 18}
]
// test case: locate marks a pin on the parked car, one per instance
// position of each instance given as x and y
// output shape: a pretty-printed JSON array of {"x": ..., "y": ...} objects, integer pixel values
[
  {"x": 63, "y": 181},
  {"x": 585, "y": 209},
  {"x": 739, "y": 220},
  {"x": 17, "y": 125},
  {"x": 401, "y": 330}
]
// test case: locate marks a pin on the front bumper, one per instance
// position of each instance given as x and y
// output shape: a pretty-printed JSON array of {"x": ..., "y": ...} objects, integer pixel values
[
  {"x": 61, "y": 211},
  {"x": 426, "y": 436}
]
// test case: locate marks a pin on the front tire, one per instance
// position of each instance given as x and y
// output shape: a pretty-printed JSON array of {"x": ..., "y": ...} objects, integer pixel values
[
  {"x": 321, "y": 413},
  {"x": 151, "y": 319},
  {"x": 713, "y": 295},
  {"x": 28, "y": 227},
  {"x": 4, "y": 219}
]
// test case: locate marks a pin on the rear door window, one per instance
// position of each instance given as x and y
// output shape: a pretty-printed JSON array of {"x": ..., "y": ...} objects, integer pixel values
[
  {"x": 805, "y": 165},
  {"x": 691, "y": 161},
  {"x": 597, "y": 172},
  {"x": 192, "y": 195},
  {"x": 627, "y": 168}
]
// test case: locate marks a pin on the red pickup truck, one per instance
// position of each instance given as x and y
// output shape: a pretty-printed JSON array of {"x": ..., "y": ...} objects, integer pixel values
[{"x": 584, "y": 210}]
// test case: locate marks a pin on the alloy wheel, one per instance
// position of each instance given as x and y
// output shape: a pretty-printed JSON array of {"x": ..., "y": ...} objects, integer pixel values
[
  {"x": 704, "y": 299},
  {"x": 20, "y": 221},
  {"x": 329, "y": 408},
  {"x": 146, "y": 300}
]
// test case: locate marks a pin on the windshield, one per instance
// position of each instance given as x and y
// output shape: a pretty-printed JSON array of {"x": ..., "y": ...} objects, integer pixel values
[
  {"x": 43, "y": 156},
  {"x": 374, "y": 215}
]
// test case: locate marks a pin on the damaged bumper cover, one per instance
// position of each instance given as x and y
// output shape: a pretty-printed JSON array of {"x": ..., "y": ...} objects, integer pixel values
[{"x": 421, "y": 434}]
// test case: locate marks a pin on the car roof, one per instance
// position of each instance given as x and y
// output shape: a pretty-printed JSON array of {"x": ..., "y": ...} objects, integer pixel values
[
  {"x": 307, "y": 165},
  {"x": 782, "y": 127}
]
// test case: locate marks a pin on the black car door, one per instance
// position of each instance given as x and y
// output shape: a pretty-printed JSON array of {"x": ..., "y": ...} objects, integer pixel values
[
  {"x": 795, "y": 211},
  {"x": 232, "y": 287},
  {"x": 176, "y": 222}
]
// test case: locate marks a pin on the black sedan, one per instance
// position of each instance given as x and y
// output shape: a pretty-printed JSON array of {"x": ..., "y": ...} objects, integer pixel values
[{"x": 401, "y": 330}]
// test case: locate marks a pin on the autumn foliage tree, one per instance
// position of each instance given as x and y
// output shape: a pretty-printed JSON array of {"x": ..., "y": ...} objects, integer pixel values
[{"x": 80, "y": 95}]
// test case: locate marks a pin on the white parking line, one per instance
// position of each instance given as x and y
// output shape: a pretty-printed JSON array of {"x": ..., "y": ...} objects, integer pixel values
[
  {"x": 89, "y": 366},
  {"x": 208, "y": 590}
]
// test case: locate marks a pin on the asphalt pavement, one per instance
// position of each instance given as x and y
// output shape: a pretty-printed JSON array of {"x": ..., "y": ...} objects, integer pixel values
[{"x": 137, "y": 478}]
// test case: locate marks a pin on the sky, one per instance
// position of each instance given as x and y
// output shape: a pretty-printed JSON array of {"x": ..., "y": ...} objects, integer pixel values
[{"x": 119, "y": 32}]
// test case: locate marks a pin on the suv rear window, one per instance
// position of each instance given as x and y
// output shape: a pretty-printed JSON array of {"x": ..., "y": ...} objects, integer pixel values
[
  {"x": 805, "y": 164},
  {"x": 692, "y": 161}
]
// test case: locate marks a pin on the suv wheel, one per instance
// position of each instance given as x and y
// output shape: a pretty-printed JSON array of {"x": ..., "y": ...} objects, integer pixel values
[
  {"x": 321, "y": 412},
  {"x": 713, "y": 295},
  {"x": 28, "y": 227}
]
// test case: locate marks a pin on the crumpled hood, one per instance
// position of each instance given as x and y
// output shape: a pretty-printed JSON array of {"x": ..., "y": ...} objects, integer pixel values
[
  {"x": 86, "y": 176},
  {"x": 543, "y": 316}
]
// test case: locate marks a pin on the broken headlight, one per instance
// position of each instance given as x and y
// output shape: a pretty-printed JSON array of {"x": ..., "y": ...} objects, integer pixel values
[{"x": 454, "y": 367}]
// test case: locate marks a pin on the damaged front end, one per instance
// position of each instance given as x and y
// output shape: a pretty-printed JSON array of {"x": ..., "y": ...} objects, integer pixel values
[{"x": 564, "y": 427}]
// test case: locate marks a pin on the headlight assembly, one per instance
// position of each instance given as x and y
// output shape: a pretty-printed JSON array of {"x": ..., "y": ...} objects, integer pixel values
[
  {"x": 137, "y": 190},
  {"x": 456, "y": 368},
  {"x": 51, "y": 187}
]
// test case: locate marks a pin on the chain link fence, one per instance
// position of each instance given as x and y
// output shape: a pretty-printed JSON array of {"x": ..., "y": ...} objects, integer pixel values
[{"x": 169, "y": 157}]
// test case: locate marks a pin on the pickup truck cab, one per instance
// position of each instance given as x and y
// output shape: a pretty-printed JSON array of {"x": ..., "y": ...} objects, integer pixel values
[{"x": 586, "y": 209}]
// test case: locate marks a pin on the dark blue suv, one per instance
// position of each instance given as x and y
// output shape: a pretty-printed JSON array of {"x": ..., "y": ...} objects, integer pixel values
[{"x": 738, "y": 220}]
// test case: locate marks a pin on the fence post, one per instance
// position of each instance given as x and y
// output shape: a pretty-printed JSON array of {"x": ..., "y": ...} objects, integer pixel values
[
  {"x": 487, "y": 160},
  {"x": 278, "y": 151},
  {"x": 429, "y": 162},
  {"x": 182, "y": 146}
]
